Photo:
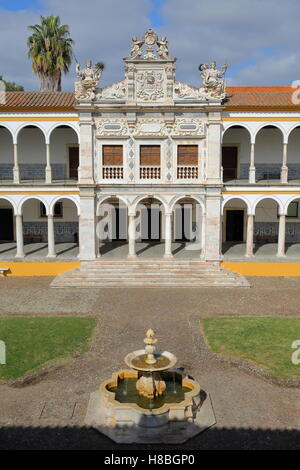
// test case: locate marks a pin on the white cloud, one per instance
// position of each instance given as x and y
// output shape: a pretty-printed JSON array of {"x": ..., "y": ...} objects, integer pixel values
[{"x": 243, "y": 32}]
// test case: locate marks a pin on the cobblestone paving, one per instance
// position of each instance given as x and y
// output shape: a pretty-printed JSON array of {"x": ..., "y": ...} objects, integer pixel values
[{"x": 240, "y": 400}]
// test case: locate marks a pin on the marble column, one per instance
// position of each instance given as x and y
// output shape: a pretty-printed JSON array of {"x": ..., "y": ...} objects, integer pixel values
[
  {"x": 131, "y": 236},
  {"x": 214, "y": 149},
  {"x": 16, "y": 171},
  {"x": 281, "y": 236},
  {"x": 19, "y": 236},
  {"x": 86, "y": 149},
  {"x": 88, "y": 242},
  {"x": 284, "y": 168},
  {"x": 252, "y": 179},
  {"x": 213, "y": 236},
  {"x": 168, "y": 236},
  {"x": 51, "y": 237},
  {"x": 48, "y": 170},
  {"x": 250, "y": 232}
]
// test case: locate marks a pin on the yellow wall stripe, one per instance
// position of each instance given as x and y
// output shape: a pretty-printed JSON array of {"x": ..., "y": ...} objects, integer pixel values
[
  {"x": 263, "y": 269},
  {"x": 37, "y": 118},
  {"x": 29, "y": 193},
  {"x": 38, "y": 269}
]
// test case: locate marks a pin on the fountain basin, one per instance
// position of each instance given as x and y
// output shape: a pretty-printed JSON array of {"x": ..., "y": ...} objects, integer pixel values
[{"x": 126, "y": 422}]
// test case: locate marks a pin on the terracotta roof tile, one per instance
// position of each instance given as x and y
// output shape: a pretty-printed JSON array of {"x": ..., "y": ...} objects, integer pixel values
[
  {"x": 37, "y": 99},
  {"x": 261, "y": 96},
  {"x": 277, "y": 96}
]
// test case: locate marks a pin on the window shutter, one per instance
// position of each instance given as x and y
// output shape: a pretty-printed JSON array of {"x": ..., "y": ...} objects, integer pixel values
[
  {"x": 187, "y": 155},
  {"x": 150, "y": 155},
  {"x": 112, "y": 155}
]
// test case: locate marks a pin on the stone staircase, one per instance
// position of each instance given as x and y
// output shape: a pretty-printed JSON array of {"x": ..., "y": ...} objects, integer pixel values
[{"x": 149, "y": 273}]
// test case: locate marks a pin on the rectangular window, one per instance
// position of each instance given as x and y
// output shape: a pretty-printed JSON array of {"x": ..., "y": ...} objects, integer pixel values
[
  {"x": 150, "y": 155},
  {"x": 187, "y": 155},
  {"x": 112, "y": 155},
  {"x": 73, "y": 162},
  {"x": 58, "y": 210}
]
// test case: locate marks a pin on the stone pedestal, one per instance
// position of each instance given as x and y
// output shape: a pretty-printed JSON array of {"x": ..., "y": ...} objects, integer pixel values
[
  {"x": 87, "y": 225},
  {"x": 213, "y": 236}
]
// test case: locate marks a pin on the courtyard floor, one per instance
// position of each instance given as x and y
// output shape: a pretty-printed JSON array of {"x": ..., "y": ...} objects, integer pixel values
[
  {"x": 234, "y": 251},
  {"x": 251, "y": 412}
]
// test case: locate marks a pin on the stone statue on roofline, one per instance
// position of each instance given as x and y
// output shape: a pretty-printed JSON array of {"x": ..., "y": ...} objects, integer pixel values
[
  {"x": 90, "y": 76},
  {"x": 213, "y": 81}
]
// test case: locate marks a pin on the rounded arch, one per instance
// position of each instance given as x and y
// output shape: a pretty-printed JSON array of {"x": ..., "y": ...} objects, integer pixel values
[
  {"x": 240, "y": 125},
  {"x": 291, "y": 199},
  {"x": 33, "y": 197},
  {"x": 291, "y": 130},
  {"x": 5, "y": 126},
  {"x": 111, "y": 196},
  {"x": 241, "y": 198},
  {"x": 61, "y": 197},
  {"x": 269, "y": 124},
  {"x": 139, "y": 199},
  {"x": 11, "y": 201},
  {"x": 60, "y": 124},
  {"x": 176, "y": 199},
  {"x": 30, "y": 124},
  {"x": 274, "y": 198}
]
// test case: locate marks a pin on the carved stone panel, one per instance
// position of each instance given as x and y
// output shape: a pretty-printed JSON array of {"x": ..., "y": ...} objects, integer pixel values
[{"x": 150, "y": 85}]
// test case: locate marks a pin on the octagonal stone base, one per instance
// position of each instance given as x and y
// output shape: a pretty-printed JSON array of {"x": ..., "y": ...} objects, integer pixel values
[{"x": 173, "y": 423}]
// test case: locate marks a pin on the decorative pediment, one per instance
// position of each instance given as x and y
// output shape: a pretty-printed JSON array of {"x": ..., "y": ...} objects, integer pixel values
[
  {"x": 185, "y": 91},
  {"x": 112, "y": 127},
  {"x": 116, "y": 91},
  {"x": 188, "y": 127},
  {"x": 152, "y": 127}
]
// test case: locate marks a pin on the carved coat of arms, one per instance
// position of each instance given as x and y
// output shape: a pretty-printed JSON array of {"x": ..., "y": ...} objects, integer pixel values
[{"x": 150, "y": 85}]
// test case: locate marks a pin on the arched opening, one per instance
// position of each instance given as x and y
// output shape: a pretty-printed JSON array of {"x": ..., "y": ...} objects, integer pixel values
[
  {"x": 7, "y": 229},
  {"x": 293, "y": 154},
  {"x": 188, "y": 227},
  {"x": 6, "y": 154},
  {"x": 236, "y": 149},
  {"x": 112, "y": 228},
  {"x": 234, "y": 228},
  {"x": 31, "y": 151},
  {"x": 34, "y": 224},
  {"x": 268, "y": 153},
  {"x": 64, "y": 214},
  {"x": 292, "y": 229},
  {"x": 64, "y": 153},
  {"x": 150, "y": 228},
  {"x": 266, "y": 228}
]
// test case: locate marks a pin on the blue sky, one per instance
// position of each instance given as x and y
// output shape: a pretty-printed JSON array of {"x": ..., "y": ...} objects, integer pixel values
[{"x": 259, "y": 40}]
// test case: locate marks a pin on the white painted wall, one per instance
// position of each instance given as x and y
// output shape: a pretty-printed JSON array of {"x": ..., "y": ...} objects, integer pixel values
[
  {"x": 31, "y": 211},
  {"x": 60, "y": 140},
  {"x": 6, "y": 146},
  {"x": 241, "y": 138}
]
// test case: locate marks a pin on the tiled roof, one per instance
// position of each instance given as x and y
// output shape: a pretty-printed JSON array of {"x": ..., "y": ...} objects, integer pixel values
[
  {"x": 38, "y": 99},
  {"x": 280, "y": 96}
]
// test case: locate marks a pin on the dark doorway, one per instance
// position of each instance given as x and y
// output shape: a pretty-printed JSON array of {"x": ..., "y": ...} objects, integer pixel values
[
  {"x": 183, "y": 219},
  {"x": 229, "y": 162},
  {"x": 73, "y": 162},
  {"x": 234, "y": 226},
  {"x": 150, "y": 224},
  {"x": 6, "y": 225},
  {"x": 119, "y": 225}
]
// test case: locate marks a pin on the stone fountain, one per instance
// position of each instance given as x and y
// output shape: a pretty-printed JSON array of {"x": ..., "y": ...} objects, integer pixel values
[{"x": 151, "y": 403}]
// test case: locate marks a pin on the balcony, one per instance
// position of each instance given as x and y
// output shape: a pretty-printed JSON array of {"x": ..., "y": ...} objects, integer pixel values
[
  {"x": 150, "y": 172},
  {"x": 113, "y": 172},
  {"x": 187, "y": 172}
]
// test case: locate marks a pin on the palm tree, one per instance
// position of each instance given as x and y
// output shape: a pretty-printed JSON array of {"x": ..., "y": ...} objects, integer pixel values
[{"x": 50, "y": 49}]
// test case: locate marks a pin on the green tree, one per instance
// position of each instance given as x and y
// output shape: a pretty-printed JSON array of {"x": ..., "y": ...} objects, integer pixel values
[
  {"x": 50, "y": 50},
  {"x": 11, "y": 86}
]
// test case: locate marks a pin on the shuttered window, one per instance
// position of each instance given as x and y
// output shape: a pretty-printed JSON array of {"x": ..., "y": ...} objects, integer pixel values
[
  {"x": 112, "y": 155},
  {"x": 187, "y": 155},
  {"x": 150, "y": 155}
]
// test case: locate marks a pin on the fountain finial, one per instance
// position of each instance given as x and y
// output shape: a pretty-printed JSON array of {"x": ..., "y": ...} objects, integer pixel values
[{"x": 150, "y": 348}]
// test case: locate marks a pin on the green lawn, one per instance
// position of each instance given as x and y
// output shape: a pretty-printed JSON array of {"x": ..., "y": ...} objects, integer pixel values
[
  {"x": 33, "y": 341},
  {"x": 264, "y": 341}
]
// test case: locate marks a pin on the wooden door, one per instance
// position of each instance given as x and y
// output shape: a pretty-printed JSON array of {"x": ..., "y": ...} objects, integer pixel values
[
  {"x": 73, "y": 162},
  {"x": 234, "y": 226},
  {"x": 229, "y": 162}
]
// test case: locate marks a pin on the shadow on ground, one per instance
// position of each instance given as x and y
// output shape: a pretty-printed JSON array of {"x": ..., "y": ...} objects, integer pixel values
[{"x": 86, "y": 438}]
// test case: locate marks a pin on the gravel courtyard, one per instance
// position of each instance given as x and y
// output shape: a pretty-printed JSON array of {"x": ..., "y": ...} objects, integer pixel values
[{"x": 250, "y": 411}]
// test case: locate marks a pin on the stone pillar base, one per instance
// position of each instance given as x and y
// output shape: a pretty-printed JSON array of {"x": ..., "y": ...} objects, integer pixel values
[
  {"x": 16, "y": 175},
  {"x": 284, "y": 174},
  {"x": 48, "y": 174},
  {"x": 252, "y": 179}
]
